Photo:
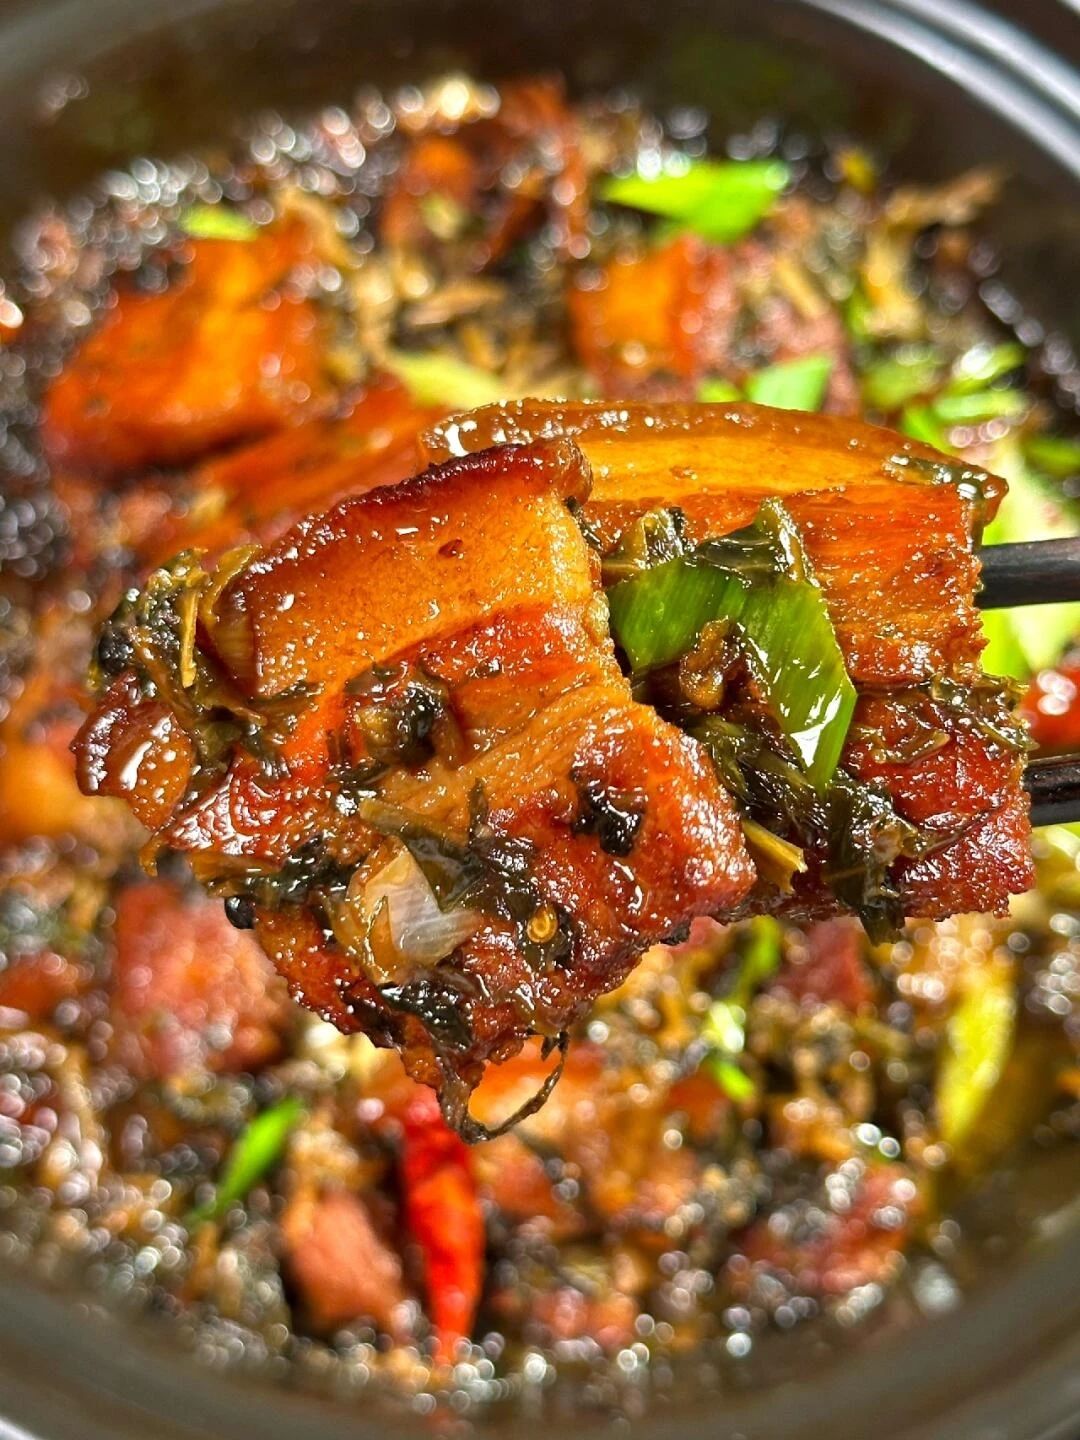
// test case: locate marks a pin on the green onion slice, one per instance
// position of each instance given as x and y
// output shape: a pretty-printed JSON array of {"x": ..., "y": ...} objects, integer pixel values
[
  {"x": 983, "y": 364},
  {"x": 792, "y": 384},
  {"x": 972, "y": 407},
  {"x": 717, "y": 391},
  {"x": 731, "y": 1078},
  {"x": 759, "y": 581},
  {"x": 724, "y": 1029},
  {"x": 259, "y": 1146},
  {"x": 437, "y": 378},
  {"x": 895, "y": 379},
  {"x": 978, "y": 1041},
  {"x": 719, "y": 200},
  {"x": 1055, "y": 455},
  {"x": 217, "y": 222}
]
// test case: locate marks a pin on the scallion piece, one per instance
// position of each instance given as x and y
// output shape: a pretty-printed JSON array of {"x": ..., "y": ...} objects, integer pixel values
[
  {"x": 1055, "y": 455},
  {"x": 718, "y": 200},
  {"x": 758, "y": 581},
  {"x": 907, "y": 373},
  {"x": 217, "y": 222},
  {"x": 760, "y": 958},
  {"x": 440, "y": 379},
  {"x": 715, "y": 391},
  {"x": 776, "y": 860},
  {"x": 978, "y": 1041},
  {"x": 975, "y": 406},
  {"x": 255, "y": 1151},
  {"x": 1022, "y": 641},
  {"x": 731, "y": 1078},
  {"x": 792, "y": 384},
  {"x": 983, "y": 364},
  {"x": 922, "y": 423},
  {"x": 724, "y": 1030},
  {"x": 725, "y": 1027}
]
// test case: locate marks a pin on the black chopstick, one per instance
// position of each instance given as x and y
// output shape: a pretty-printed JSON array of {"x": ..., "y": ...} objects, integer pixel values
[
  {"x": 1053, "y": 783},
  {"x": 1032, "y": 572},
  {"x": 1038, "y": 572}
]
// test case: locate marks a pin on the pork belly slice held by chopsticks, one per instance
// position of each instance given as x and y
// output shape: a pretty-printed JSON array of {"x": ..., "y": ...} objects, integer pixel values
[
  {"x": 889, "y": 526},
  {"x": 402, "y": 743},
  {"x": 410, "y": 702}
]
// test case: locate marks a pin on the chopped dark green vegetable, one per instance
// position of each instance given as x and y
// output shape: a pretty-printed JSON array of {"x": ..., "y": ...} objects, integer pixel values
[
  {"x": 852, "y": 828},
  {"x": 719, "y": 200},
  {"x": 305, "y": 874},
  {"x": 614, "y": 817},
  {"x": 772, "y": 788},
  {"x": 399, "y": 710},
  {"x": 988, "y": 703},
  {"x": 255, "y": 1151},
  {"x": 156, "y": 632},
  {"x": 240, "y": 912},
  {"x": 865, "y": 837},
  {"x": 437, "y": 1002}
]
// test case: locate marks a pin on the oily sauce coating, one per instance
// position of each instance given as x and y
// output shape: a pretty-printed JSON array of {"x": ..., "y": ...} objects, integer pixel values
[
  {"x": 472, "y": 580},
  {"x": 221, "y": 353}
]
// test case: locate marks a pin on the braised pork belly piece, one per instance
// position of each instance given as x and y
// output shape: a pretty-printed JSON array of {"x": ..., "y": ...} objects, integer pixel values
[
  {"x": 657, "y": 320},
  {"x": 217, "y": 347},
  {"x": 926, "y": 814},
  {"x": 470, "y": 186},
  {"x": 462, "y": 747},
  {"x": 257, "y": 491},
  {"x": 400, "y": 743}
]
